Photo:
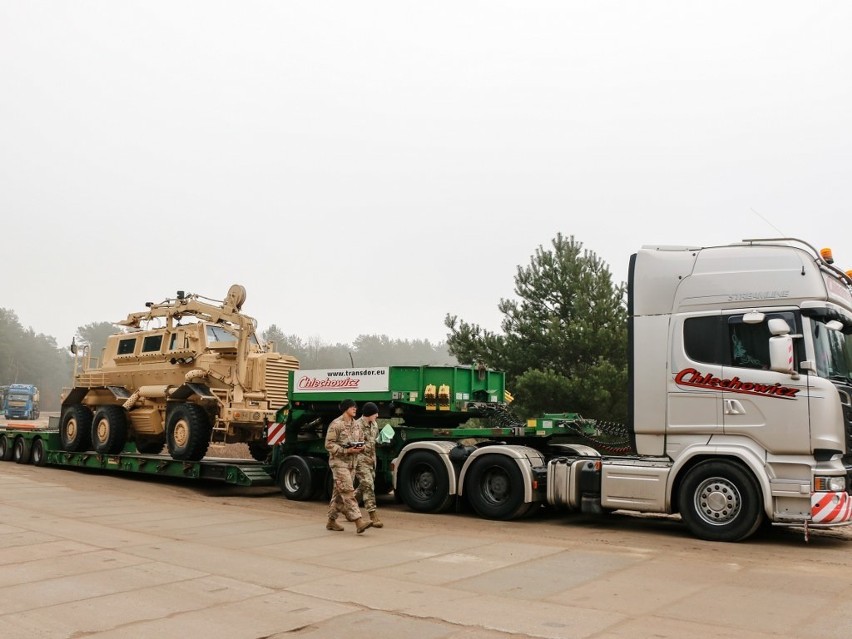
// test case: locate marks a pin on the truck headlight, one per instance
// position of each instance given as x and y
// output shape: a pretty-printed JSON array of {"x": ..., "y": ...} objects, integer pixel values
[{"x": 829, "y": 484}]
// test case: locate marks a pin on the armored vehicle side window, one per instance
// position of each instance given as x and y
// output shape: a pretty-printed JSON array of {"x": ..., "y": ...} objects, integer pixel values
[
  {"x": 703, "y": 339},
  {"x": 126, "y": 346},
  {"x": 152, "y": 343}
]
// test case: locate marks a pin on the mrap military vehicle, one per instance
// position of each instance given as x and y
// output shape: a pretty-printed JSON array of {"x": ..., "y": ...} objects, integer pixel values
[{"x": 200, "y": 376}]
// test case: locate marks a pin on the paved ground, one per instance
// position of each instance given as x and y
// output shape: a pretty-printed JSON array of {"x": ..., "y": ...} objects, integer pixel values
[{"x": 92, "y": 555}]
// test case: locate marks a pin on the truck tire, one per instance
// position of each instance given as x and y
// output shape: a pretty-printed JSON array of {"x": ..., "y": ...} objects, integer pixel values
[
  {"x": 109, "y": 430},
  {"x": 75, "y": 429},
  {"x": 150, "y": 445},
  {"x": 5, "y": 448},
  {"x": 720, "y": 501},
  {"x": 39, "y": 453},
  {"x": 495, "y": 488},
  {"x": 423, "y": 484},
  {"x": 296, "y": 478},
  {"x": 187, "y": 432},
  {"x": 21, "y": 451},
  {"x": 259, "y": 450}
]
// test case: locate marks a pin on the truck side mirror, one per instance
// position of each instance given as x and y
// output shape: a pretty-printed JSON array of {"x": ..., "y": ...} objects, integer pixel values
[
  {"x": 781, "y": 353},
  {"x": 778, "y": 326}
]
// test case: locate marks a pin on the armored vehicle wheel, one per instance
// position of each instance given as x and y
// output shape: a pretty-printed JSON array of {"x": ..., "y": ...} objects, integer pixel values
[
  {"x": 21, "y": 451},
  {"x": 150, "y": 445},
  {"x": 75, "y": 429},
  {"x": 720, "y": 501},
  {"x": 259, "y": 450},
  {"x": 5, "y": 448},
  {"x": 187, "y": 432},
  {"x": 495, "y": 488},
  {"x": 423, "y": 484},
  {"x": 39, "y": 455},
  {"x": 109, "y": 430}
]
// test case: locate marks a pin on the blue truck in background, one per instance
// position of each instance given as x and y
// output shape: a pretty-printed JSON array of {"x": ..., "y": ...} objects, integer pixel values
[{"x": 21, "y": 401}]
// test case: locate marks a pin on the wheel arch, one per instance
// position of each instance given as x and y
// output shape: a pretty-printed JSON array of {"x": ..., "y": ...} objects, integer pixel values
[
  {"x": 743, "y": 457},
  {"x": 524, "y": 456},
  {"x": 441, "y": 449}
]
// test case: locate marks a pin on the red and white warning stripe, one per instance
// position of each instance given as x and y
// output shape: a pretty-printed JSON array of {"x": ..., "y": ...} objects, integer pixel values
[
  {"x": 830, "y": 508},
  {"x": 275, "y": 433}
]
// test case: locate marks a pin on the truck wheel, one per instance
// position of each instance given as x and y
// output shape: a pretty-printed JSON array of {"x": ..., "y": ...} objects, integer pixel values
[
  {"x": 259, "y": 450},
  {"x": 39, "y": 455},
  {"x": 296, "y": 479},
  {"x": 720, "y": 501},
  {"x": 21, "y": 451},
  {"x": 188, "y": 432},
  {"x": 109, "y": 430},
  {"x": 150, "y": 445},
  {"x": 5, "y": 448},
  {"x": 75, "y": 429},
  {"x": 495, "y": 488},
  {"x": 423, "y": 484}
]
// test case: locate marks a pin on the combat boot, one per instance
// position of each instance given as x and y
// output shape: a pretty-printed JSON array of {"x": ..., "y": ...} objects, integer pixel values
[
  {"x": 333, "y": 525},
  {"x": 374, "y": 519},
  {"x": 361, "y": 525}
]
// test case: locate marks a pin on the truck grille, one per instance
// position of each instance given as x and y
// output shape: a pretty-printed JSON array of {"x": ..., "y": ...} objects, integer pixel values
[{"x": 276, "y": 380}]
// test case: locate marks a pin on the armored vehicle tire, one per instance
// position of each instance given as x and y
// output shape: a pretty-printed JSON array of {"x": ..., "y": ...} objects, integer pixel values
[
  {"x": 423, "y": 484},
  {"x": 720, "y": 501},
  {"x": 39, "y": 454},
  {"x": 75, "y": 429},
  {"x": 21, "y": 451},
  {"x": 150, "y": 445},
  {"x": 296, "y": 479},
  {"x": 259, "y": 450},
  {"x": 495, "y": 488},
  {"x": 109, "y": 430},
  {"x": 187, "y": 432},
  {"x": 5, "y": 448}
]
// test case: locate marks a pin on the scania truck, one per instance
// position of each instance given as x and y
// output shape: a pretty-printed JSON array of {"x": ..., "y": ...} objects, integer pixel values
[
  {"x": 740, "y": 410},
  {"x": 21, "y": 401}
]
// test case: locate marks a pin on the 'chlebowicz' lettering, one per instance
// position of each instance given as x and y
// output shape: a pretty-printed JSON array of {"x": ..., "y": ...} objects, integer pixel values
[{"x": 693, "y": 377}]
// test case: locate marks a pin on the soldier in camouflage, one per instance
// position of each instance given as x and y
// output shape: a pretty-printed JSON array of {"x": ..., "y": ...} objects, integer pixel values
[
  {"x": 365, "y": 467},
  {"x": 342, "y": 458}
]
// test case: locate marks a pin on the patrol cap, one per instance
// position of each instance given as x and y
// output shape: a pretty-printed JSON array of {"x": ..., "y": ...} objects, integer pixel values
[{"x": 369, "y": 409}]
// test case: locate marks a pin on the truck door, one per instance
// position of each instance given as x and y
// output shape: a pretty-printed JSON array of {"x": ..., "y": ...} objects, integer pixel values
[
  {"x": 694, "y": 402},
  {"x": 769, "y": 407}
]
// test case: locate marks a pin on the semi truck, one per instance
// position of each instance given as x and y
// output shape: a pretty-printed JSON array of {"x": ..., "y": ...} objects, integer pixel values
[
  {"x": 740, "y": 409},
  {"x": 21, "y": 401}
]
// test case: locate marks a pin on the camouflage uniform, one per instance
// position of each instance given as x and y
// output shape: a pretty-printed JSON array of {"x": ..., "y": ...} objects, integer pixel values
[
  {"x": 342, "y": 465},
  {"x": 365, "y": 466}
]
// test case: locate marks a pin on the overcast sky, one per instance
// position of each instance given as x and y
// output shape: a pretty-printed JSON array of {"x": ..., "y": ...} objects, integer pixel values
[{"x": 367, "y": 167}]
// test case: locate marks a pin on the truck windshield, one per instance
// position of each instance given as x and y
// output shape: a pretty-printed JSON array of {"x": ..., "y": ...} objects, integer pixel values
[
  {"x": 218, "y": 334},
  {"x": 833, "y": 351}
]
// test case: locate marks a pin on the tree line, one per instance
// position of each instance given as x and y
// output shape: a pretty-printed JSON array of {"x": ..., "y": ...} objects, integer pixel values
[{"x": 562, "y": 344}]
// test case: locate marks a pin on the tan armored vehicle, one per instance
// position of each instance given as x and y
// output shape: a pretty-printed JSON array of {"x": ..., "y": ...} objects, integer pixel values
[{"x": 200, "y": 376}]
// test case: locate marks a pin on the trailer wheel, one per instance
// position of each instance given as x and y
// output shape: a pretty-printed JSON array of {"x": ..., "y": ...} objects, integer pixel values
[
  {"x": 188, "y": 432},
  {"x": 720, "y": 501},
  {"x": 296, "y": 479},
  {"x": 75, "y": 429},
  {"x": 5, "y": 448},
  {"x": 259, "y": 450},
  {"x": 423, "y": 484},
  {"x": 495, "y": 488},
  {"x": 109, "y": 430},
  {"x": 39, "y": 456},
  {"x": 21, "y": 451}
]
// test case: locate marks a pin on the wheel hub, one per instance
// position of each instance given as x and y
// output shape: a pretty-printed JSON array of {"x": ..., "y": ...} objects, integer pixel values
[
  {"x": 181, "y": 433},
  {"x": 103, "y": 430},
  {"x": 71, "y": 428},
  {"x": 717, "y": 501}
]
